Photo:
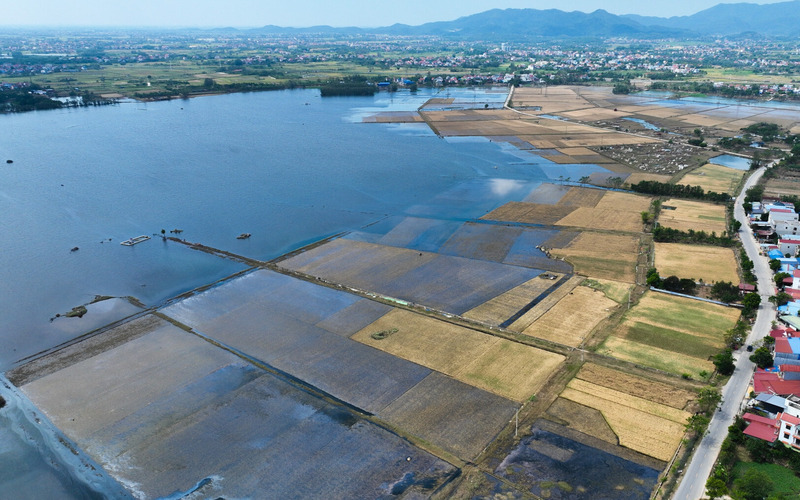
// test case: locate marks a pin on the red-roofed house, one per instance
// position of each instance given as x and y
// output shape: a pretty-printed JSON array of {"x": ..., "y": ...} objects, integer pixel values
[
  {"x": 761, "y": 427},
  {"x": 789, "y": 246},
  {"x": 772, "y": 383},
  {"x": 746, "y": 287}
]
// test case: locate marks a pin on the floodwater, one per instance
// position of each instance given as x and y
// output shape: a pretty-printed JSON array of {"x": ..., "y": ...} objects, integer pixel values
[{"x": 731, "y": 161}]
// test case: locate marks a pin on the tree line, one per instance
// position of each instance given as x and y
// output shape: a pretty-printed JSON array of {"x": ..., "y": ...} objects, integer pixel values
[{"x": 679, "y": 191}]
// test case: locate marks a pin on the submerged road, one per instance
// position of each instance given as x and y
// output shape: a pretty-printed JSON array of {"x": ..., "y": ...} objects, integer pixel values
[{"x": 693, "y": 482}]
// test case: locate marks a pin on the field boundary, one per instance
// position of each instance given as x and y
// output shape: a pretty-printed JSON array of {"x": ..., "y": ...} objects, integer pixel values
[{"x": 661, "y": 290}]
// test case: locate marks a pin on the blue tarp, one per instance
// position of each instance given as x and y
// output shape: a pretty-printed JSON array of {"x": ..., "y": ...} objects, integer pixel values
[{"x": 775, "y": 254}]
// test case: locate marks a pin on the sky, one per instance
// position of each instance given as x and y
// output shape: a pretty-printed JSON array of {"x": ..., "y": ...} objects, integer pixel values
[{"x": 255, "y": 13}]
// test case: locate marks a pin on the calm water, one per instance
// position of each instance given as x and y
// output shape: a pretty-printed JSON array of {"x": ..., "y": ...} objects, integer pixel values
[{"x": 288, "y": 167}]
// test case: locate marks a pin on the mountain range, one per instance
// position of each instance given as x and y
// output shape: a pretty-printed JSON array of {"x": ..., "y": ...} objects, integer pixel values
[{"x": 771, "y": 20}]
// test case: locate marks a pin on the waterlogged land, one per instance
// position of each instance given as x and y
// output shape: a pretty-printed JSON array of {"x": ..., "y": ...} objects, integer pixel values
[{"x": 408, "y": 340}]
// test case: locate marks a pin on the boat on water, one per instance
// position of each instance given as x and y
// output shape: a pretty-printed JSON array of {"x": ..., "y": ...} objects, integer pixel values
[
  {"x": 243, "y": 236},
  {"x": 133, "y": 241}
]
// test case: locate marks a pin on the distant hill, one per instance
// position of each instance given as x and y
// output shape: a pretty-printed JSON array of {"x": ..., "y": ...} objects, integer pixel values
[
  {"x": 780, "y": 19},
  {"x": 777, "y": 19}
]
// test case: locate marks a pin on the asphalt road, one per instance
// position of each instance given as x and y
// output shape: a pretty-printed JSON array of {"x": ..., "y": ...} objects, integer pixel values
[{"x": 693, "y": 482}]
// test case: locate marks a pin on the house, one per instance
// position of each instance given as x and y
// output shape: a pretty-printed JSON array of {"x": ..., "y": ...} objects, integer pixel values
[
  {"x": 788, "y": 246},
  {"x": 783, "y": 427},
  {"x": 745, "y": 288},
  {"x": 787, "y": 228},
  {"x": 781, "y": 215}
]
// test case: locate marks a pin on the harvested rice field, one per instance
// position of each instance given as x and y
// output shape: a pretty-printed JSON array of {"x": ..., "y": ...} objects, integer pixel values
[
  {"x": 582, "y": 418},
  {"x": 715, "y": 178},
  {"x": 501, "y": 308},
  {"x": 651, "y": 390},
  {"x": 641, "y": 425},
  {"x": 573, "y": 318},
  {"x": 673, "y": 334},
  {"x": 614, "y": 212},
  {"x": 637, "y": 177},
  {"x": 544, "y": 305},
  {"x": 500, "y": 366},
  {"x": 618, "y": 291},
  {"x": 697, "y": 262},
  {"x": 686, "y": 215},
  {"x": 602, "y": 255}
]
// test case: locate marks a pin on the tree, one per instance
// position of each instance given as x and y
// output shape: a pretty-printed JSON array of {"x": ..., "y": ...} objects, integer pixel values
[
  {"x": 697, "y": 423},
  {"x": 753, "y": 485},
  {"x": 774, "y": 264},
  {"x": 708, "y": 399},
  {"x": 781, "y": 299},
  {"x": 762, "y": 357},
  {"x": 724, "y": 362},
  {"x": 751, "y": 301},
  {"x": 715, "y": 488},
  {"x": 779, "y": 277},
  {"x": 725, "y": 291}
]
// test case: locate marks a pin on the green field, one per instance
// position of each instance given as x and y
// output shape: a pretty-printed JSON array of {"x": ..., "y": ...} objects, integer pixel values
[
  {"x": 783, "y": 479},
  {"x": 673, "y": 334}
]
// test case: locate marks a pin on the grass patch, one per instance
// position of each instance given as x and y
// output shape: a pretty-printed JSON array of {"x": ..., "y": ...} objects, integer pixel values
[
  {"x": 614, "y": 290},
  {"x": 669, "y": 339},
  {"x": 782, "y": 478}
]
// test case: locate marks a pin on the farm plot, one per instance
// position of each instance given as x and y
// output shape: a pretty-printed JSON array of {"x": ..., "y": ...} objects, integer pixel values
[
  {"x": 615, "y": 212},
  {"x": 159, "y": 411},
  {"x": 615, "y": 290},
  {"x": 697, "y": 262},
  {"x": 506, "y": 368},
  {"x": 451, "y": 284},
  {"x": 673, "y": 334},
  {"x": 602, "y": 255},
  {"x": 559, "y": 463},
  {"x": 545, "y": 304},
  {"x": 455, "y": 416},
  {"x": 589, "y": 421},
  {"x": 504, "y": 306},
  {"x": 641, "y": 425},
  {"x": 715, "y": 178},
  {"x": 651, "y": 390},
  {"x": 529, "y": 213},
  {"x": 573, "y": 318},
  {"x": 695, "y": 215}
]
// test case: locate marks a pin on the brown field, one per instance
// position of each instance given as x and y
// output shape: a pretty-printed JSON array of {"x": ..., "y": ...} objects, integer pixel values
[
  {"x": 697, "y": 262},
  {"x": 582, "y": 197},
  {"x": 615, "y": 212},
  {"x": 617, "y": 291},
  {"x": 573, "y": 318},
  {"x": 500, "y": 366},
  {"x": 583, "y": 419},
  {"x": 529, "y": 213},
  {"x": 637, "y": 177},
  {"x": 695, "y": 215},
  {"x": 602, "y": 255},
  {"x": 650, "y": 428},
  {"x": 548, "y": 302},
  {"x": 713, "y": 177},
  {"x": 782, "y": 186},
  {"x": 651, "y": 390},
  {"x": 502, "y": 307}
]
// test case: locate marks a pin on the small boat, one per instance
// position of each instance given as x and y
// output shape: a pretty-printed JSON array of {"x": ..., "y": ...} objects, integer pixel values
[
  {"x": 243, "y": 236},
  {"x": 133, "y": 241}
]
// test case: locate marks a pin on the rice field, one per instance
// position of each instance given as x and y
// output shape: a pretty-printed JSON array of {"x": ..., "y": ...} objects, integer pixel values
[
  {"x": 614, "y": 212},
  {"x": 500, "y": 366},
  {"x": 715, "y": 178},
  {"x": 673, "y": 334},
  {"x": 697, "y": 262},
  {"x": 573, "y": 318},
  {"x": 602, "y": 255},
  {"x": 641, "y": 425},
  {"x": 695, "y": 215},
  {"x": 504, "y": 306},
  {"x": 545, "y": 304},
  {"x": 651, "y": 390},
  {"x": 582, "y": 418},
  {"x": 615, "y": 290}
]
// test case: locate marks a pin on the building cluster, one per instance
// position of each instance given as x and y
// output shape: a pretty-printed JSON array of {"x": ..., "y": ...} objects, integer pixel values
[{"x": 774, "y": 414}]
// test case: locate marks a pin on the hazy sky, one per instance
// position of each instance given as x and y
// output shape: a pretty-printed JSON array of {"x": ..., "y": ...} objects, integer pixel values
[{"x": 251, "y": 13}]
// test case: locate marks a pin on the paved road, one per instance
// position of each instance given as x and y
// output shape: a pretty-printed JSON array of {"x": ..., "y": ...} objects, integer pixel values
[{"x": 692, "y": 486}]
